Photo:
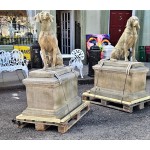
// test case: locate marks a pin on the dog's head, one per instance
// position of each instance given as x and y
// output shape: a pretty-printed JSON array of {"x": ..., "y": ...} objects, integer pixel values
[
  {"x": 44, "y": 15},
  {"x": 133, "y": 21}
]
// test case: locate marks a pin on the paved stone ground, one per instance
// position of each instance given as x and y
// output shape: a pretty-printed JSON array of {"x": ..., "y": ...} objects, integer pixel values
[{"x": 99, "y": 123}]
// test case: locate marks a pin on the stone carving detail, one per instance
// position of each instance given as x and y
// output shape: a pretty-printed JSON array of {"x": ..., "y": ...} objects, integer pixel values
[
  {"x": 127, "y": 41},
  {"x": 120, "y": 80},
  {"x": 51, "y": 92},
  {"x": 48, "y": 41}
]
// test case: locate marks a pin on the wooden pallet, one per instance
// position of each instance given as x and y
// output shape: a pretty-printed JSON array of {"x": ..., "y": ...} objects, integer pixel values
[
  {"x": 116, "y": 103},
  {"x": 64, "y": 124}
]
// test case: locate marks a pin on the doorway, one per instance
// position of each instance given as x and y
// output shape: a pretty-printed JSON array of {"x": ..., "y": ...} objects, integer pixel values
[
  {"x": 65, "y": 30},
  {"x": 118, "y": 20}
]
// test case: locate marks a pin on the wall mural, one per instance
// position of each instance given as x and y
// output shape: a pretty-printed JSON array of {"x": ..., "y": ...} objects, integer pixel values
[{"x": 96, "y": 40}]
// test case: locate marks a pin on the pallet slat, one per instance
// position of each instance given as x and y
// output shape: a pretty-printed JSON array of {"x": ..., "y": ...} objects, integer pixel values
[
  {"x": 86, "y": 94},
  {"x": 115, "y": 103},
  {"x": 64, "y": 124}
]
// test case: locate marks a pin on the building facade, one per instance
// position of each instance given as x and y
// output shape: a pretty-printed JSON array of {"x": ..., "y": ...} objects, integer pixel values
[{"x": 72, "y": 26}]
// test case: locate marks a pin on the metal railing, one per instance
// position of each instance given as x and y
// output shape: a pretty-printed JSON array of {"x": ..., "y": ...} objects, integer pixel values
[{"x": 18, "y": 41}]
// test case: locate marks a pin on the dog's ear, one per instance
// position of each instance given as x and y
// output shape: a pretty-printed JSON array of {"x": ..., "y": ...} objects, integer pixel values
[
  {"x": 129, "y": 22},
  {"x": 37, "y": 18},
  {"x": 138, "y": 27},
  {"x": 51, "y": 18}
]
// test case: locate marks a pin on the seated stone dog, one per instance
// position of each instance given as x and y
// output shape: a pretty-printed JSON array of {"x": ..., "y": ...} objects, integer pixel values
[
  {"x": 48, "y": 41},
  {"x": 127, "y": 40}
]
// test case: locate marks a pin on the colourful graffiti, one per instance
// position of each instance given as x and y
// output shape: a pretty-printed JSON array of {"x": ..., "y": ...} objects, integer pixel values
[{"x": 97, "y": 40}]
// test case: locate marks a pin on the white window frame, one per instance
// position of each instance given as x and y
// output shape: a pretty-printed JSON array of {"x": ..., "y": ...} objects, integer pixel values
[{"x": 72, "y": 32}]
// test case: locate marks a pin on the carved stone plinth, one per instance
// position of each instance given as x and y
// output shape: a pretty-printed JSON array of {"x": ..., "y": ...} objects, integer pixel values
[
  {"x": 120, "y": 80},
  {"x": 51, "y": 93}
]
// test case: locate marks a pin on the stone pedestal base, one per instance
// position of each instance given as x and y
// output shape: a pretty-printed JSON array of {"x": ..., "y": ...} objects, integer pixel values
[
  {"x": 120, "y": 80},
  {"x": 51, "y": 93}
]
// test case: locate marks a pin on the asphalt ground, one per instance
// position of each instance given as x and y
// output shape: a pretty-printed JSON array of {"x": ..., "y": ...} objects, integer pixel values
[{"x": 100, "y": 123}]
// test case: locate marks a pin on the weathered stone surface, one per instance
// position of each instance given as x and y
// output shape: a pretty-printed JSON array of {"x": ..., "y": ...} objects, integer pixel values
[
  {"x": 120, "y": 80},
  {"x": 51, "y": 93}
]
